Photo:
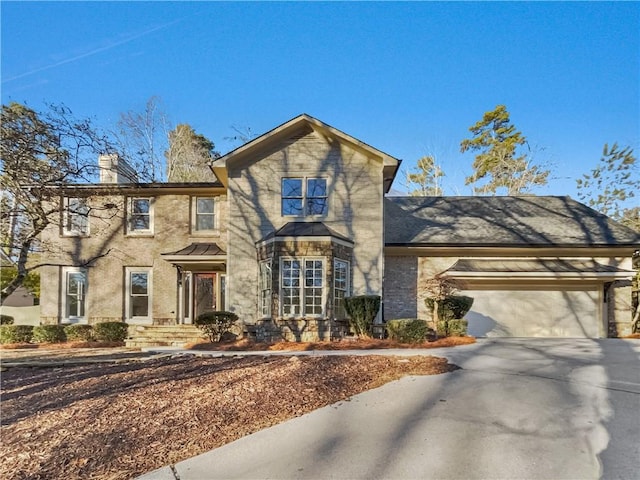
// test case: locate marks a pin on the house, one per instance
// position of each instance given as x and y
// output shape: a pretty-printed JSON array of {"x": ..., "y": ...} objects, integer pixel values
[{"x": 297, "y": 219}]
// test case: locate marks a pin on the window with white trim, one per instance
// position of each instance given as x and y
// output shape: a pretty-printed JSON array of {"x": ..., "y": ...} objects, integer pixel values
[
  {"x": 204, "y": 218},
  {"x": 76, "y": 216},
  {"x": 265, "y": 289},
  {"x": 138, "y": 300},
  {"x": 75, "y": 293},
  {"x": 304, "y": 197},
  {"x": 140, "y": 215},
  {"x": 340, "y": 287},
  {"x": 302, "y": 291}
]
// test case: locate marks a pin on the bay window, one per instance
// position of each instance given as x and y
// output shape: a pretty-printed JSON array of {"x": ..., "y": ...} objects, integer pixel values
[{"x": 302, "y": 289}]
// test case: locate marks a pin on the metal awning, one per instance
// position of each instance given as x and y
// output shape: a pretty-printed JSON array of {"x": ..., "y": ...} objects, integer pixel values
[
  {"x": 468, "y": 268},
  {"x": 198, "y": 256}
]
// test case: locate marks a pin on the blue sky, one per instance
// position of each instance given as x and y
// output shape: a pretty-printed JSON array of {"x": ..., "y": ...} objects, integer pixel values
[{"x": 407, "y": 78}]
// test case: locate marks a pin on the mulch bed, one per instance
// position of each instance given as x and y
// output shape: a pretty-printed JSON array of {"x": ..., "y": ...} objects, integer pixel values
[{"x": 114, "y": 421}]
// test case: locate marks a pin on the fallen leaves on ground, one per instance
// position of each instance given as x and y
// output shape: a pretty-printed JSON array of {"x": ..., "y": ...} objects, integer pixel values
[{"x": 121, "y": 420}]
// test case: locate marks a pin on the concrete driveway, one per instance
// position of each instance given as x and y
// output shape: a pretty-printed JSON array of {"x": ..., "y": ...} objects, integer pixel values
[{"x": 519, "y": 409}]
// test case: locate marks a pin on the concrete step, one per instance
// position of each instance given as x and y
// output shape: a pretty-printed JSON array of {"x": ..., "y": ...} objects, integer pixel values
[{"x": 163, "y": 335}]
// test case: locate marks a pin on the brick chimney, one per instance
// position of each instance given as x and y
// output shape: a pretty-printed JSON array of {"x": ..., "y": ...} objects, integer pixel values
[{"x": 114, "y": 169}]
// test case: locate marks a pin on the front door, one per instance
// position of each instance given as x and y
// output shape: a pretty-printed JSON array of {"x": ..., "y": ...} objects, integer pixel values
[
  {"x": 202, "y": 292},
  {"x": 204, "y": 296}
]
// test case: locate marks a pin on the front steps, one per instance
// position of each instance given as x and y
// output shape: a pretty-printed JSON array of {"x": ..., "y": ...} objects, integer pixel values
[{"x": 163, "y": 335}]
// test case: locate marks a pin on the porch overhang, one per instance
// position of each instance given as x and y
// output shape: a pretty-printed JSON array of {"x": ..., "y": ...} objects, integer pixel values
[
  {"x": 305, "y": 231},
  {"x": 198, "y": 256}
]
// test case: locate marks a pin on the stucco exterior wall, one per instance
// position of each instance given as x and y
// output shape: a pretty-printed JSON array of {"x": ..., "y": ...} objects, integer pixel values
[
  {"x": 355, "y": 193},
  {"x": 105, "y": 299}
]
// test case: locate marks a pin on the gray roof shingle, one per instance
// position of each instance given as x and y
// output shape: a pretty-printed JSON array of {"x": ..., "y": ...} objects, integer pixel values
[
  {"x": 500, "y": 221},
  {"x": 305, "y": 229}
]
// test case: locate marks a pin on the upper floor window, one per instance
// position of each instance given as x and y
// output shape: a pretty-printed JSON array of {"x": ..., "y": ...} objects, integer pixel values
[
  {"x": 76, "y": 216},
  {"x": 304, "y": 196},
  {"x": 204, "y": 214},
  {"x": 140, "y": 215}
]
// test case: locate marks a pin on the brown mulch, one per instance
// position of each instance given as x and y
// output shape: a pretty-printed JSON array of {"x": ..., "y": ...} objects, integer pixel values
[
  {"x": 356, "y": 344},
  {"x": 121, "y": 420}
]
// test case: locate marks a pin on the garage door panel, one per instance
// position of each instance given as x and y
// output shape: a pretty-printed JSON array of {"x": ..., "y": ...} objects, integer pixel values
[{"x": 534, "y": 313}]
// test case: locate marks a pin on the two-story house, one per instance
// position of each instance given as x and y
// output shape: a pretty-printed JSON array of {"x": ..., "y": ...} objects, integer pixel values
[{"x": 297, "y": 219}]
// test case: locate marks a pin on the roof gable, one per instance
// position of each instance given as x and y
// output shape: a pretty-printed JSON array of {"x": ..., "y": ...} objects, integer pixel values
[
  {"x": 500, "y": 221},
  {"x": 277, "y": 137}
]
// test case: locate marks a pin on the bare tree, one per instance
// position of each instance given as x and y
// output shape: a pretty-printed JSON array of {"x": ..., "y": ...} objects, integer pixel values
[
  {"x": 439, "y": 288},
  {"x": 40, "y": 154},
  {"x": 142, "y": 139}
]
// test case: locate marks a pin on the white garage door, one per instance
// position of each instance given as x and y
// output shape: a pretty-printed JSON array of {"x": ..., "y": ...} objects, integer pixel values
[{"x": 534, "y": 313}]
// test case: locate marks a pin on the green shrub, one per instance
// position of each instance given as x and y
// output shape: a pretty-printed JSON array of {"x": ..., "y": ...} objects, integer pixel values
[
  {"x": 110, "y": 331},
  {"x": 16, "y": 333},
  {"x": 362, "y": 311},
  {"x": 6, "y": 319},
  {"x": 451, "y": 308},
  {"x": 216, "y": 324},
  {"x": 48, "y": 334},
  {"x": 452, "y": 328},
  {"x": 79, "y": 332},
  {"x": 409, "y": 330}
]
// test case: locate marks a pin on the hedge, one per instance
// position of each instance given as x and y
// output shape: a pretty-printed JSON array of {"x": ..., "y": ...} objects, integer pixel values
[
  {"x": 215, "y": 324},
  {"x": 6, "y": 319},
  {"x": 79, "y": 332},
  {"x": 110, "y": 331},
  {"x": 451, "y": 308},
  {"x": 409, "y": 330},
  {"x": 48, "y": 334},
  {"x": 452, "y": 328},
  {"x": 362, "y": 311},
  {"x": 15, "y": 333}
]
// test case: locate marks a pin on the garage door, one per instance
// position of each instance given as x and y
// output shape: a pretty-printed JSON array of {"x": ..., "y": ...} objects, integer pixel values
[{"x": 534, "y": 313}]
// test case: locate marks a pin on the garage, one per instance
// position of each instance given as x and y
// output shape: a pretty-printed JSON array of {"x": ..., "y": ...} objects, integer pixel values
[
  {"x": 523, "y": 312},
  {"x": 542, "y": 297}
]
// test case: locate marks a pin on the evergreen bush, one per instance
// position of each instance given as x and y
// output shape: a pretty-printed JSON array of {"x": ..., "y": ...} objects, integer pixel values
[
  {"x": 79, "y": 332},
  {"x": 409, "y": 330},
  {"x": 48, "y": 334},
  {"x": 15, "y": 333},
  {"x": 452, "y": 328},
  {"x": 6, "y": 319},
  {"x": 216, "y": 324},
  {"x": 362, "y": 311},
  {"x": 110, "y": 331},
  {"x": 451, "y": 308}
]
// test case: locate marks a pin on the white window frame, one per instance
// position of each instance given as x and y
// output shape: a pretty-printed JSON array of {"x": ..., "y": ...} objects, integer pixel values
[
  {"x": 130, "y": 227},
  {"x": 304, "y": 197},
  {"x": 147, "y": 319},
  {"x": 298, "y": 311},
  {"x": 69, "y": 224},
  {"x": 345, "y": 291},
  {"x": 265, "y": 285},
  {"x": 195, "y": 213},
  {"x": 66, "y": 271}
]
